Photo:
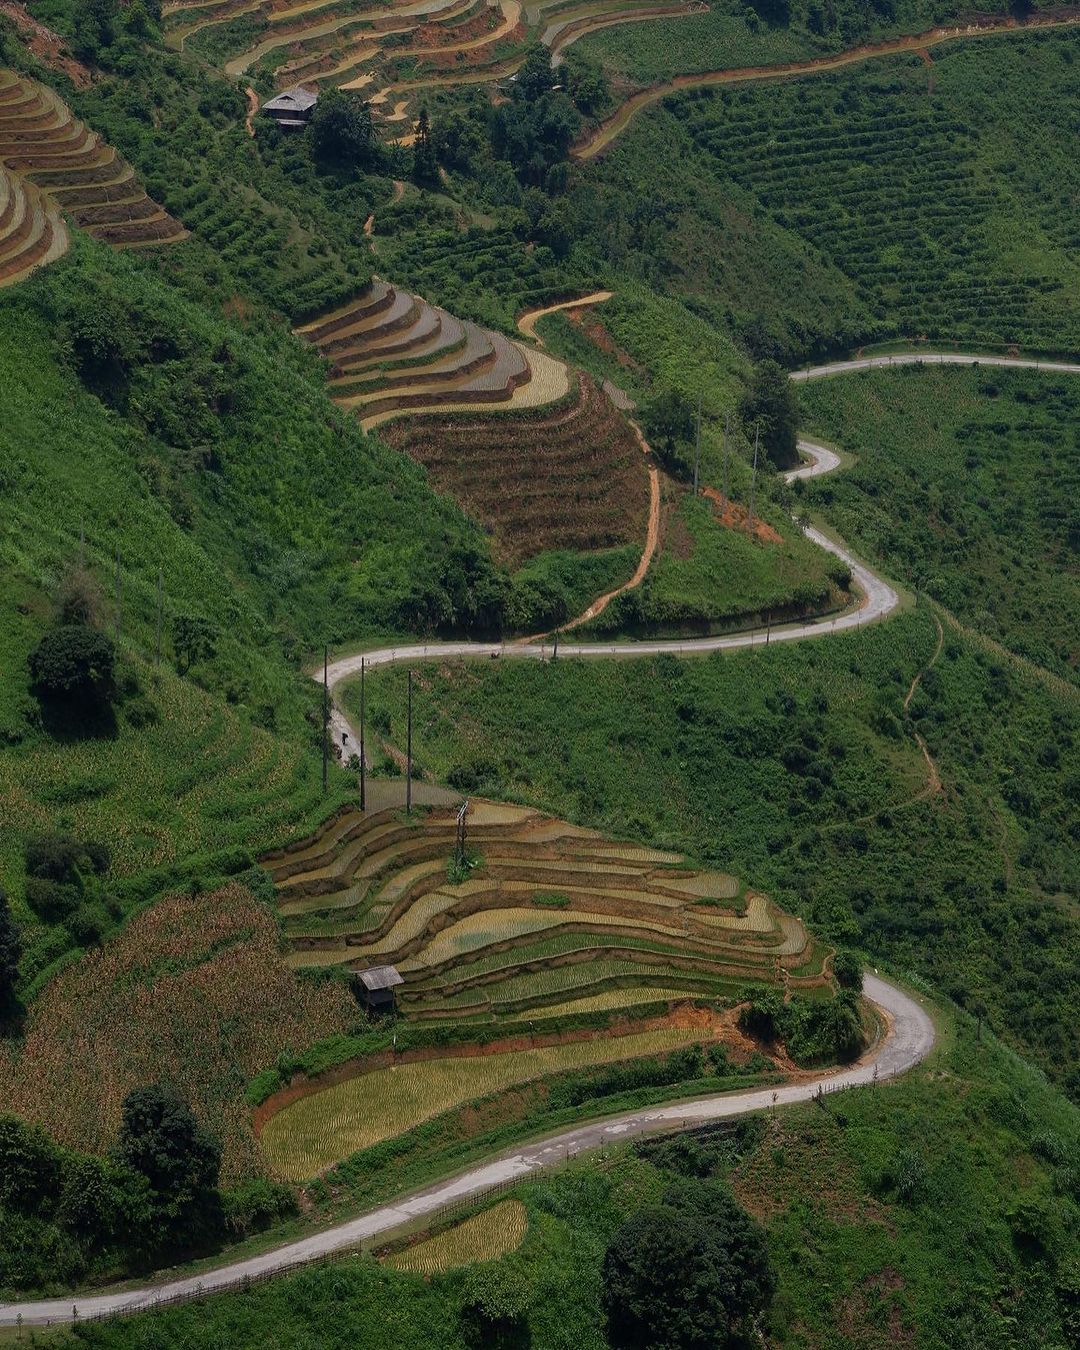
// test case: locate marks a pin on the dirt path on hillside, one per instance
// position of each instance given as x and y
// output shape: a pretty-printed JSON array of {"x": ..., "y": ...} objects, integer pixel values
[
  {"x": 527, "y": 322},
  {"x": 369, "y": 224},
  {"x": 933, "y": 784},
  {"x": 652, "y": 534},
  {"x": 608, "y": 130},
  {"x": 252, "y": 109}
]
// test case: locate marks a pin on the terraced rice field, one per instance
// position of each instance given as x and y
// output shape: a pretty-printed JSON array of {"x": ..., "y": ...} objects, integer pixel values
[
  {"x": 394, "y": 51},
  {"x": 312, "y": 1134},
  {"x": 391, "y": 352},
  {"x": 481, "y": 1237},
  {"x": 559, "y": 467},
  {"x": 570, "y": 476},
  {"x": 555, "y": 914},
  {"x": 51, "y": 164}
]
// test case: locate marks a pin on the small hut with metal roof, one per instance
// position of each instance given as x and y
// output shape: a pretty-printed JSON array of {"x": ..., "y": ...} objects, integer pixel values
[{"x": 375, "y": 988}]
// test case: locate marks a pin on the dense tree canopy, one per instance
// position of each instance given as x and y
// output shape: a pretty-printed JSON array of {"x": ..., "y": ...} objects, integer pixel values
[
  {"x": 686, "y": 1274},
  {"x": 770, "y": 402},
  {"x": 10, "y": 951},
  {"x": 342, "y": 132},
  {"x": 161, "y": 1140},
  {"x": 74, "y": 664}
]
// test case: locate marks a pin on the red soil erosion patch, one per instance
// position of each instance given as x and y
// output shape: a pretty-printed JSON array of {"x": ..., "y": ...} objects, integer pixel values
[
  {"x": 49, "y": 48},
  {"x": 439, "y": 35},
  {"x": 735, "y": 516},
  {"x": 713, "y": 1026},
  {"x": 480, "y": 55},
  {"x": 599, "y": 336}
]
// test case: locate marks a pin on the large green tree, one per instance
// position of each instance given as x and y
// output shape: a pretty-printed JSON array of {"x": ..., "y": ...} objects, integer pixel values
[
  {"x": 10, "y": 950},
  {"x": 74, "y": 665},
  {"x": 162, "y": 1141},
  {"x": 687, "y": 1274},
  {"x": 770, "y": 403},
  {"x": 342, "y": 132}
]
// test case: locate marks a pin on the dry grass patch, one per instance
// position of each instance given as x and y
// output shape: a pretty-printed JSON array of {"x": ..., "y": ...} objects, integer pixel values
[
  {"x": 193, "y": 992},
  {"x": 482, "y": 1237},
  {"x": 310, "y": 1135}
]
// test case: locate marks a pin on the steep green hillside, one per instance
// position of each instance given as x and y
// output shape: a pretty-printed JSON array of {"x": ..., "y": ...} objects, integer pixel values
[
  {"x": 147, "y": 442},
  {"x": 895, "y": 198},
  {"x": 797, "y": 765},
  {"x": 967, "y": 481},
  {"x": 880, "y": 1232},
  {"x": 768, "y": 32}
]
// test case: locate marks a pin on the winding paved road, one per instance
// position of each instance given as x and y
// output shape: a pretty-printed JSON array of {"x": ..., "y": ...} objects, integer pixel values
[
  {"x": 908, "y": 1039},
  {"x": 931, "y": 359},
  {"x": 879, "y": 600}
]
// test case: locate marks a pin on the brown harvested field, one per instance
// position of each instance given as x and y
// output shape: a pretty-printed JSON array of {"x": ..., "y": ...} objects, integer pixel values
[
  {"x": 204, "y": 1000},
  {"x": 567, "y": 477}
]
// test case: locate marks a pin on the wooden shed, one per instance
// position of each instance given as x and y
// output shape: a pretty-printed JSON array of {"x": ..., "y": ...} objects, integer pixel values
[
  {"x": 293, "y": 108},
  {"x": 375, "y": 988}
]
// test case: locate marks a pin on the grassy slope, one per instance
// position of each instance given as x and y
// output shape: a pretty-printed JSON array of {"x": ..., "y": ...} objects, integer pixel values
[
  {"x": 862, "y": 1260},
  {"x": 281, "y": 526},
  {"x": 728, "y": 35},
  {"x": 793, "y": 766},
  {"x": 958, "y": 222},
  {"x": 967, "y": 481}
]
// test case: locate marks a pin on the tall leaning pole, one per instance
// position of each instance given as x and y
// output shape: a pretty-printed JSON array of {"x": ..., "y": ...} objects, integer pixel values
[
  {"x": 325, "y": 715},
  {"x": 753, "y": 478},
  {"x": 363, "y": 770},
  {"x": 408, "y": 750}
]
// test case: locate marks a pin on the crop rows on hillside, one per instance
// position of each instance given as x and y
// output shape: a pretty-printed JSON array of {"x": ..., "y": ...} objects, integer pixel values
[
  {"x": 569, "y": 477},
  {"x": 884, "y": 182},
  {"x": 51, "y": 163},
  {"x": 554, "y": 912}
]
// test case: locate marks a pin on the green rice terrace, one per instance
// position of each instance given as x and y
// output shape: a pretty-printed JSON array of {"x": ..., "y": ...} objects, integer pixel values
[
  {"x": 550, "y": 919},
  {"x": 582, "y": 950}
]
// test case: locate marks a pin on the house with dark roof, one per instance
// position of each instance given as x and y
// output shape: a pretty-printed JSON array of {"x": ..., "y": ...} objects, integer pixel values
[
  {"x": 375, "y": 988},
  {"x": 292, "y": 108}
]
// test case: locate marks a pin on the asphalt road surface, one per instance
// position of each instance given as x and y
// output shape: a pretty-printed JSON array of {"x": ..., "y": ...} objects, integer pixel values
[{"x": 908, "y": 1038}]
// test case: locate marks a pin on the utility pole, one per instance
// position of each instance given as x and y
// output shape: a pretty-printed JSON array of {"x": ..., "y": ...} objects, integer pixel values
[
  {"x": 118, "y": 593},
  {"x": 363, "y": 773},
  {"x": 753, "y": 477},
  {"x": 727, "y": 426},
  {"x": 408, "y": 752},
  {"x": 697, "y": 446},
  {"x": 325, "y": 714},
  {"x": 157, "y": 636},
  {"x": 555, "y": 649}
]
